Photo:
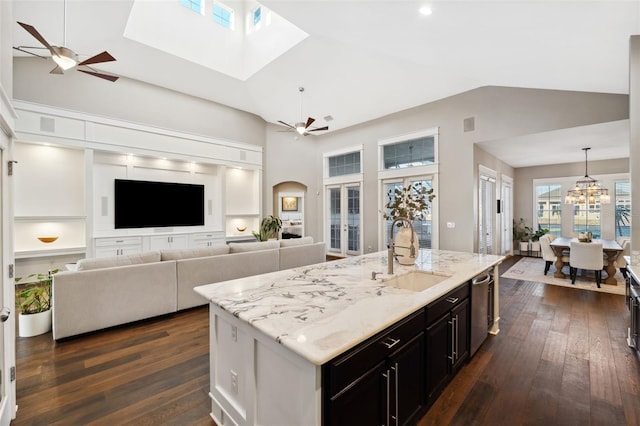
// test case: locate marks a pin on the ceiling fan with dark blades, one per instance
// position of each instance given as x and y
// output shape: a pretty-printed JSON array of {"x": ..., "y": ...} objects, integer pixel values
[
  {"x": 301, "y": 127},
  {"x": 66, "y": 58}
]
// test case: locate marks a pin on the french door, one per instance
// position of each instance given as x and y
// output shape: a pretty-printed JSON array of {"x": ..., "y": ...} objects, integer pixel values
[
  {"x": 506, "y": 214},
  {"x": 487, "y": 235},
  {"x": 344, "y": 219},
  {"x": 422, "y": 227}
]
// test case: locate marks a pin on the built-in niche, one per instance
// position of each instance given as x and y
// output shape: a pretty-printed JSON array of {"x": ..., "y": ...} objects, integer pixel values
[{"x": 289, "y": 197}]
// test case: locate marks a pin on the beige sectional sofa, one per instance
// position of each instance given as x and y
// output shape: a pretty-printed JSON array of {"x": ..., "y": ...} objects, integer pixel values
[{"x": 105, "y": 292}]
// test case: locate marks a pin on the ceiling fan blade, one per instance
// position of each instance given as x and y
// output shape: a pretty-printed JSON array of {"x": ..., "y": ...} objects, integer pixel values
[
  {"x": 100, "y": 57},
  {"x": 57, "y": 70},
  {"x": 288, "y": 125},
  {"x": 21, "y": 49},
  {"x": 318, "y": 129},
  {"x": 31, "y": 30},
  {"x": 309, "y": 122},
  {"x": 97, "y": 74}
]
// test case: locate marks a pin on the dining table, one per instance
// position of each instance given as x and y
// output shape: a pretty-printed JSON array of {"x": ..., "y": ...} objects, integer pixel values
[{"x": 611, "y": 249}]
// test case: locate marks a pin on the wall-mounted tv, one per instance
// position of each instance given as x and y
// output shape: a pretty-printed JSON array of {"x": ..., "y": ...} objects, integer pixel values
[{"x": 146, "y": 204}]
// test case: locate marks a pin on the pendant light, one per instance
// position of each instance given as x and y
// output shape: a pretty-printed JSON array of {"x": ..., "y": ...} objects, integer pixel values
[{"x": 587, "y": 190}]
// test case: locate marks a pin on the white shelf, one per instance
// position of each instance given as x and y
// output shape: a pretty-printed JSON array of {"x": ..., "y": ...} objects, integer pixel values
[
  {"x": 61, "y": 251},
  {"x": 49, "y": 218}
]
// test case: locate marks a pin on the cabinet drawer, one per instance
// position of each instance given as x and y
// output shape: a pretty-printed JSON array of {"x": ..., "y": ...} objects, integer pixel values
[
  {"x": 346, "y": 368},
  {"x": 443, "y": 305},
  {"x": 117, "y": 241}
]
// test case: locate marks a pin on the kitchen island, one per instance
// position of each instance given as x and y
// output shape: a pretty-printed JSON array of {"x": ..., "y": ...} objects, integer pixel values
[{"x": 280, "y": 341}]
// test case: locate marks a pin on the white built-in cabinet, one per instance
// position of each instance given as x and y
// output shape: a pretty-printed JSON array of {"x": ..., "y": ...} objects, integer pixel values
[
  {"x": 242, "y": 189},
  {"x": 118, "y": 246},
  {"x": 64, "y": 186}
]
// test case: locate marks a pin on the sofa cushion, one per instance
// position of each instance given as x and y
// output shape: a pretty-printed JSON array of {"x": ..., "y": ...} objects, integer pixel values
[
  {"x": 108, "y": 262},
  {"x": 290, "y": 242},
  {"x": 258, "y": 245},
  {"x": 178, "y": 254}
]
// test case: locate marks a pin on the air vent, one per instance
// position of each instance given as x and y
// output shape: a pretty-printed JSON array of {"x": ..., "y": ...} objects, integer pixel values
[
  {"x": 47, "y": 124},
  {"x": 469, "y": 124}
]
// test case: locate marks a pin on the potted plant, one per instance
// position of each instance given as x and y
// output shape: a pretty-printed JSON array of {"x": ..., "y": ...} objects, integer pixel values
[
  {"x": 33, "y": 301},
  {"x": 535, "y": 239},
  {"x": 521, "y": 234},
  {"x": 269, "y": 228},
  {"x": 412, "y": 203}
]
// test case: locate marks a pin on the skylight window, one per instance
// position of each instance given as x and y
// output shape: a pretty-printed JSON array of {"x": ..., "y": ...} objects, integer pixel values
[
  {"x": 223, "y": 15},
  {"x": 195, "y": 5},
  {"x": 257, "y": 16}
]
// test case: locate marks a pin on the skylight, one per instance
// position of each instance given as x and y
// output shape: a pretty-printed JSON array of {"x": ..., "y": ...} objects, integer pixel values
[
  {"x": 257, "y": 16},
  {"x": 195, "y": 5},
  {"x": 238, "y": 53},
  {"x": 223, "y": 15}
]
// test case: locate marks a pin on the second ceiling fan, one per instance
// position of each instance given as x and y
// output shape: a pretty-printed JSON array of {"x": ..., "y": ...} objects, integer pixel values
[{"x": 303, "y": 128}]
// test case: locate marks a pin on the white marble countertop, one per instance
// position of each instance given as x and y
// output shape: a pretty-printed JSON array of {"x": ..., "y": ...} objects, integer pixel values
[{"x": 320, "y": 311}]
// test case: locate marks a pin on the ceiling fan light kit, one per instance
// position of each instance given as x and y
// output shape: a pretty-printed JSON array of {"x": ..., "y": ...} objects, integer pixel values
[
  {"x": 301, "y": 127},
  {"x": 65, "y": 58}
]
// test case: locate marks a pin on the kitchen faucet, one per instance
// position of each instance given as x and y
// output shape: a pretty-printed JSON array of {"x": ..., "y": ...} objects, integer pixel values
[{"x": 392, "y": 245}]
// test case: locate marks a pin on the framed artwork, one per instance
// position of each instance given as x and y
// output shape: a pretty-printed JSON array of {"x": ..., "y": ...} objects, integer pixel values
[{"x": 289, "y": 204}]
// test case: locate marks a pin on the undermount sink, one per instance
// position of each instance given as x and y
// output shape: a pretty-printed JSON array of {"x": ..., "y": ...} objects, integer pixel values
[{"x": 415, "y": 280}]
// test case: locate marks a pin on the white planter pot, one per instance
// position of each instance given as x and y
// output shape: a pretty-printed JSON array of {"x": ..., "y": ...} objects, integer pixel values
[
  {"x": 524, "y": 246},
  {"x": 34, "y": 324},
  {"x": 402, "y": 244}
]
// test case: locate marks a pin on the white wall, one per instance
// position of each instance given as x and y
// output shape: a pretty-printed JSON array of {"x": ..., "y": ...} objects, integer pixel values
[
  {"x": 499, "y": 113},
  {"x": 133, "y": 101}
]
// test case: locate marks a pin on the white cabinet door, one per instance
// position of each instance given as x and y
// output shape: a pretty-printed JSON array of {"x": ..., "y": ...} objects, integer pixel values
[
  {"x": 160, "y": 242},
  {"x": 206, "y": 239},
  {"x": 107, "y": 247}
]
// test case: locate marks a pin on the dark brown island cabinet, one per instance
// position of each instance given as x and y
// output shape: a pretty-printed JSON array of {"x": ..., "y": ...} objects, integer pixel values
[{"x": 392, "y": 378}]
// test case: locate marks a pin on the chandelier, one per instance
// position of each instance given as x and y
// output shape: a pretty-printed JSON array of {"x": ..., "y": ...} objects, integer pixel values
[{"x": 587, "y": 189}]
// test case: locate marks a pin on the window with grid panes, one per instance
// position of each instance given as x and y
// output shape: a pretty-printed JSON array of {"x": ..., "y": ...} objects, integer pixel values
[
  {"x": 549, "y": 200},
  {"x": 623, "y": 209},
  {"x": 195, "y": 5},
  {"x": 414, "y": 152},
  {"x": 344, "y": 164}
]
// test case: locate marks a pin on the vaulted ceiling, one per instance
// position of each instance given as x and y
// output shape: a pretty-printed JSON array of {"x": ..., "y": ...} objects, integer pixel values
[{"x": 357, "y": 60}]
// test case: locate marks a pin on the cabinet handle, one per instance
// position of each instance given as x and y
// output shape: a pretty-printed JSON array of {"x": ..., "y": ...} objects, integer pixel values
[
  {"x": 390, "y": 342},
  {"x": 453, "y": 340},
  {"x": 395, "y": 369},
  {"x": 119, "y": 241},
  {"x": 634, "y": 305},
  {"x": 452, "y": 299},
  {"x": 388, "y": 378},
  {"x": 457, "y": 340}
]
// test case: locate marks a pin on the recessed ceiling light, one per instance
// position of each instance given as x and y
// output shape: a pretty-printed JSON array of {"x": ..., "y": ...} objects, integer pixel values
[{"x": 426, "y": 10}]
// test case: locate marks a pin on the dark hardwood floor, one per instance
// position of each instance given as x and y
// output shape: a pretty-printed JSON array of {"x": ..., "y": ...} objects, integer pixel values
[{"x": 560, "y": 359}]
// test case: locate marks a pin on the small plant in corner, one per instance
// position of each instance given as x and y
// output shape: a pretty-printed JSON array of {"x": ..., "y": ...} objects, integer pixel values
[
  {"x": 269, "y": 228},
  {"x": 35, "y": 296}
]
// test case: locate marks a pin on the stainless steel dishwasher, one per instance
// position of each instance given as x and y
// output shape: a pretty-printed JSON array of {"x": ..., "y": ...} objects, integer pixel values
[{"x": 480, "y": 309}]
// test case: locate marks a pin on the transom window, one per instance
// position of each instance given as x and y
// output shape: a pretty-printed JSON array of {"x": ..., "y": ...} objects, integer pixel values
[
  {"x": 414, "y": 152},
  {"x": 344, "y": 164},
  {"x": 257, "y": 16},
  {"x": 223, "y": 15},
  {"x": 195, "y": 5}
]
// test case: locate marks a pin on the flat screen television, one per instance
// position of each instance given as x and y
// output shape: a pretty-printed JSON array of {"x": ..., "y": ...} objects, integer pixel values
[{"x": 146, "y": 204}]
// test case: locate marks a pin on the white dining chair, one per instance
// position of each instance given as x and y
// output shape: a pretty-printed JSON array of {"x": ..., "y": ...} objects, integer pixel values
[
  {"x": 548, "y": 255},
  {"x": 586, "y": 256},
  {"x": 620, "y": 261}
]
